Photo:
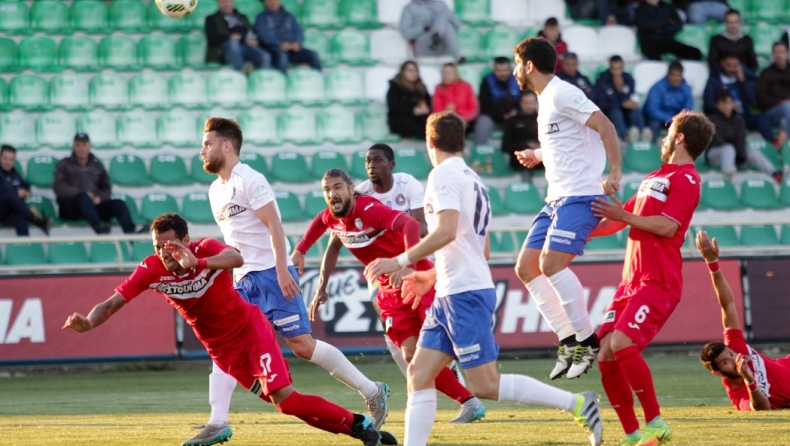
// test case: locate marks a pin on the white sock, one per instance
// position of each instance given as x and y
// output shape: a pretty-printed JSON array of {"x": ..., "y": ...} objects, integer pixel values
[
  {"x": 525, "y": 390},
  {"x": 420, "y": 414},
  {"x": 397, "y": 355},
  {"x": 333, "y": 360},
  {"x": 220, "y": 389},
  {"x": 549, "y": 306},
  {"x": 571, "y": 294}
]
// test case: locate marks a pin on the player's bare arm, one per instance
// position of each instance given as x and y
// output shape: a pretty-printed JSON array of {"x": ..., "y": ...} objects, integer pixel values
[
  {"x": 416, "y": 285},
  {"x": 601, "y": 124},
  {"x": 227, "y": 259},
  {"x": 529, "y": 158},
  {"x": 757, "y": 399},
  {"x": 613, "y": 210},
  {"x": 328, "y": 264},
  {"x": 269, "y": 217},
  {"x": 710, "y": 252},
  {"x": 419, "y": 215},
  {"x": 96, "y": 317},
  {"x": 607, "y": 227}
]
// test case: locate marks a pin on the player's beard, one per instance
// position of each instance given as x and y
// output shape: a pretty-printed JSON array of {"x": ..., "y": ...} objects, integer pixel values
[
  {"x": 343, "y": 210},
  {"x": 667, "y": 150},
  {"x": 214, "y": 164},
  {"x": 523, "y": 82}
]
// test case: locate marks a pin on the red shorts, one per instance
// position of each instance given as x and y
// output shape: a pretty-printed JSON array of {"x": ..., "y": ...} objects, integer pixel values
[
  {"x": 254, "y": 360},
  {"x": 639, "y": 310},
  {"x": 400, "y": 321}
]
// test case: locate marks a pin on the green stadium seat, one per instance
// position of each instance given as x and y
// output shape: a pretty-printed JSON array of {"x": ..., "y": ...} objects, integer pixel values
[
  {"x": 352, "y": 48},
  {"x": 290, "y": 167},
  {"x": 471, "y": 40},
  {"x": 129, "y": 16},
  {"x": 375, "y": 128},
  {"x": 701, "y": 164},
  {"x": 360, "y": 14},
  {"x": 471, "y": 75},
  {"x": 642, "y": 157},
  {"x": 141, "y": 250},
  {"x": 138, "y": 129},
  {"x": 41, "y": 171},
  {"x": 197, "y": 173},
  {"x": 14, "y": 17},
  {"x": 177, "y": 128},
  {"x": 502, "y": 242},
  {"x": 132, "y": 206},
  {"x": 314, "y": 203},
  {"x": 740, "y": 5},
  {"x": 358, "y": 168},
  {"x": 197, "y": 19},
  {"x": 290, "y": 208},
  {"x": 763, "y": 235},
  {"x": 107, "y": 252},
  {"x": 128, "y": 170},
  {"x": 149, "y": 91},
  {"x": 306, "y": 87},
  {"x": 101, "y": 128},
  {"x": 759, "y": 193},
  {"x": 118, "y": 53},
  {"x": 8, "y": 52},
  {"x": 474, "y": 12},
  {"x": 16, "y": 130},
  {"x": 599, "y": 243},
  {"x": 346, "y": 86},
  {"x": 169, "y": 170},
  {"x": 55, "y": 129},
  {"x": 4, "y": 95},
  {"x": 68, "y": 253},
  {"x": 267, "y": 87},
  {"x": 489, "y": 161},
  {"x": 719, "y": 194},
  {"x": 156, "y": 204},
  {"x": 784, "y": 192},
  {"x": 294, "y": 7},
  {"x": 523, "y": 199},
  {"x": 79, "y": 53},
  {"x": 260, "y": 127},
  {"x": 764, "y": 37},
  {"x": 19, "y": 254},
  {"x": 696, "y": 36},
  {"x": 192, "y": 51},
  {"x": 69, "y": 91},
  {"x": 500, "y": 41},
  {"x": 495, "y": 197},
  {"x": 187, "y": 89},
  {"x": 320, "y": 43},
  {"x": 38, "y": 53},
  {"x": 768, "y": 151},
  {"x": 339, "y": 125},
  {"x": 44, "y": 207},
  {"x": 725, "y": 235},
  {"x": 228, "y": 88},
  {"x": 89, "y": 16},
  {"x": 109, "y": 91},
  {"x": 255, "y": 161},
  {"x": 773, "y": 11},
  {"x": 48, "y": 16},
  {"x": 325, "y": 160},
  {"x": 412, "y": 161},
  {"x": 250, "y": 8},
  {"x": 197, "y": 208},
  {"x": 158, "y": 52},
  {"x": 28, "y": 92},
  {"x": 321, "y": 14},
  {"x": 629, "y": 189},
  {"x": 297, "y": 126},
  {"x": 160, "y": 22},
  {"x": 785, "y": 235}
]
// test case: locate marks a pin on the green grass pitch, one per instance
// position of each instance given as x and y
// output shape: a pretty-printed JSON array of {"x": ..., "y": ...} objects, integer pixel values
[{"x": 143, "y": 407}]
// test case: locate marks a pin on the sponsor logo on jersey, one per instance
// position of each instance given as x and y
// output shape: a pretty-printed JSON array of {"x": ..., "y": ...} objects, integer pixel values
[
  {"x": 428, "y": 208},
  {"x": 552, "y": 128},
  {"x": 163, "y": 278},
  {"x": 657, "y": 188},
  {"x": 361, "y": 239},
  {"x": 561, "y": 233},
  {"x": 760, "y": 374},
  {"x": 186, "y": 288},
  {"x": 466, "y": 350},
  {"x": 400, "y": 200},
  {"x": 561, "y": 241},
  {"x": 286, "y": 320},
  {"x": 291, "y": 328},
  {"x": 229, "y": 212}
]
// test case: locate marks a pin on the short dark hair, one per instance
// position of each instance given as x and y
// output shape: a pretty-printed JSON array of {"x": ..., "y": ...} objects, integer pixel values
[
  {"x": 447, "y": 130},
  {"x": 570, "y": 56},
  {"x": 778, "y": 43},
  {"x": 539, "y": 51},
  {"x": 389, "y": 154},
  {"x": 709, "y": 353},
  {"x": 7, "y": 148},
  {"x": 226, "y": 128},
  {"x": 338, "y": 173},
  {"x": 675, "y": 65},
  {"x": 527, "y": 93},
  {"x": 732, "y": 11},
  {"x": 615, "y": 58},
  {"x": 551, "y": 21},
  {"x": 723, "y": 95},
  {"x": 727, "y": 55},
  {"x": 697, "y": 129},
  {"x": 501, "y": 60},
  {"x": 171, "y": 220}
]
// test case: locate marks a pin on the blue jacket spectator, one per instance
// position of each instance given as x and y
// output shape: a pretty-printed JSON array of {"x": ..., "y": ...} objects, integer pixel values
[
  {"x": 570, "y": 74},
  {"x": 230, "y": 39},
  {"x": 666, "y": 98},
  {"x": 615, "y": 89},
  {"x": 499, "y": 96},
  {"x": 282, "y": 37}
]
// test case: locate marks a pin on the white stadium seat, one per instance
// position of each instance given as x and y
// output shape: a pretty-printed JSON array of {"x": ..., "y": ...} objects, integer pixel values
[
  {"x": 647, "y": 73},
  {"x": 377, "y": 81},
  {"x": 696, "y": 74},
  {"x": 512, "y": 12},
  {"x": 540, "y": 10},
  {"x": 431, "y": 76},
  {"x": 619, "y": 40},
  {"x": 388, "y": 47},
  {"x": 582, "y": 40},
  {"x": 390, "y": 10}
]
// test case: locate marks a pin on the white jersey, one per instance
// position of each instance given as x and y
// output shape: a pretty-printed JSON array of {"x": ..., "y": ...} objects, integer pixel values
[
  {"x": 406, "y": 194},
  {"x": 573, "y": 154},
  {"x": 234, "y": 204},
  {"x": 461, "y": 265}
]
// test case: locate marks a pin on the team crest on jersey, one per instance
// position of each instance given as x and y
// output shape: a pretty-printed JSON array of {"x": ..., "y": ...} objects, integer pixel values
[
  {"x": 400, "y": 200},
  {"x": 358, "y": 223},
  {"x": 609, "y": 317}
]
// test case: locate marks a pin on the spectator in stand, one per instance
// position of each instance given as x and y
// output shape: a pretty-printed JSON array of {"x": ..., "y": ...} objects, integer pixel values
[
  {"x": 616, "y": 98},
  {"x": 728, "y": 149},
  {"x": 666, "y": 98},
  {"x": 231, "y": 40},
  {"x": 13, "y": 192},
  {"x": 456, "y": 95},
  {"x": 657, "y": 24},
  {"x": 773, "y": 93},
  {"x": 521, "y": 132},
  {"x": 592, "y": 9},
  {"x": 430, "y": 26},
  {"x": 282, "y": 37},
  {"x": 83, "y": 190},
  {"x": 623, "y": 12},
  {"x": 570, "y": 73},
  {"x": 732, "y": 41},
  {"x": 699, "y": 11},
  {"x": 499, "y": 96},
  {"x": 408, "y": 103},
  {"x": 551, "y": 32}
]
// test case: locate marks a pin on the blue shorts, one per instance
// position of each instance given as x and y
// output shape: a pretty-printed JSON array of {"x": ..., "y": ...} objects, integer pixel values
[
  {"x": 564, "y": 225},
  {"x": 460, "y": 325},
  {"x": 260, "y": 288}
]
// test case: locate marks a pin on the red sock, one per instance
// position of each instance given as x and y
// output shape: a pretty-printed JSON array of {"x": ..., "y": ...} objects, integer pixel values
[
  {"x": 619, "y": 393},
  {"x": 448, "y": 384},
  {"x": 325, "y": 415},
  {"x": 636, "y": 370}
]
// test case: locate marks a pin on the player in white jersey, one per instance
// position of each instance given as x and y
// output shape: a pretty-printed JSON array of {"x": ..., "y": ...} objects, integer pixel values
[
  {"x": 575, "y": 140},
  {"x": 458, "y": 324},
  {"x": 246, "y": 211}
]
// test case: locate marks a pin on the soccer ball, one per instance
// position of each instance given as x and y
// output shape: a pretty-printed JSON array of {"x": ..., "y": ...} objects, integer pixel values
[{"x": 177, "y": 9}]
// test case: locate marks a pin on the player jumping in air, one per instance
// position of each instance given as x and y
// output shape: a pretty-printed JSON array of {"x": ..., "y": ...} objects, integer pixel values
[
  {"x": 753, "y": 381},
  {"x": 575, "y": 139},
  {"x": 458, "y": 323},
  {"x": 194, "y": 279},
  {"x": 246, "y": 211},
  {"x": 659, "y": 216},
  {"x": 370, "y": 229}
]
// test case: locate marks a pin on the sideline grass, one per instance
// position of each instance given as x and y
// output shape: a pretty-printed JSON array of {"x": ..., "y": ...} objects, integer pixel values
[{"x": 158, "y": 408}]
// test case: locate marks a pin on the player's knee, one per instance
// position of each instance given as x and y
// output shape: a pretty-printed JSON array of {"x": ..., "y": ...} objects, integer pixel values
[
  {"x": 302, "y": 347},
  {"x": 526, "y": 272},
  {"x": 487, "y": 389},
  {"x": 418, "y": 379},
  {"x": 407, "y": 354},
  {"x": 619, "y": 342}
]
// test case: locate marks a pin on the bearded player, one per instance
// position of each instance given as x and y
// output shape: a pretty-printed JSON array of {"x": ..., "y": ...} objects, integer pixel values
[{"x": 659, "y": 216}]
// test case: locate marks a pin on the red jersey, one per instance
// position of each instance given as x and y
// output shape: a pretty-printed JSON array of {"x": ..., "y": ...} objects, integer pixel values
[
  {"x": 205, "y": 298},
  {"x": 370, "y": 231},
  {"x": 771, "y": 375},
  {"x": 672, "y": 191}
]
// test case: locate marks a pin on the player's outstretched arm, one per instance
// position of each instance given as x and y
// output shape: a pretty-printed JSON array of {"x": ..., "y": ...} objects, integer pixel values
[
  {"x": 613, "y": 210},
  {"x": 757, "y": 399},
  {"x": 228, "y": 258},
  {"x": 328, "y": 264},
  {"x": 601, "y": 124},
  {"x": 607, "y": 227},
  {"x": 96, "y": 317},
  {"x": 710, "y": 252},
  {"x": 269, "y": 217}
]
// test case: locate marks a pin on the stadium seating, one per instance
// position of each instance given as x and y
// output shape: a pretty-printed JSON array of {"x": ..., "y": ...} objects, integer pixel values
[
  {"x": 3, "y": 95},
  {"x": 288, "y": 203},
  {"x": 79, "y": 53},
  {"x": 197, "y": 173},
  {"x": 107, "y": 252},
  {"x": 314, "y": 203},
  {"x": 118, "y": 53},
  {"x": 290, "y": 167},
  {"x": 324, "y": 160},
  {"x": 177, "y": 128},
  {"x": 764, "y": 37},
  {"x": 267, "y": 87},
  {"x": 55, "y": 129},
  {"x": 160, "y": 22},
  {"x": 598, "y": 243},
  {"x": 28, "y": 92},
  {"x": 785, "y": 235},
  {"x": 759, "y": 235},
  {"x": 157, "y": 52},
  {"x": 129, "y": 16},
  {"x": 141, "y": 250},
  {"x": 719, "y": 194},
  {"x": 339, "y": 125},
  {"x": 40, "y": 171},
  {"x": 696, "y": 36},
  {"x": 89, "y": 16},
  {"x": 187, "y": 89},
  {"x": 390, "y": 11},
  {"x": 471, "y": 40},
  {"x": 169, "y": 170},
  {"x": 725, "y": 235},
  {"x": 502, "y": 242},
  {"x": 44, "y": 206},
  {"x": 774, "y": 11},
  {"x": 156, "y": 204},
  {"x": 321, "y": 14},
  {"x": 67, "y": 253},
  {"x": 298, "y": 126},
  {"x": 511, "y": 12},
  {"x": 642, "y": 157},
  {"x": 648, "y": 72},
  {"x": 584, "y": 42},
  {"x": 352, "y": 48},
  {"x": 497, "y": 206},
  {"x": 358, "y": 169},
  {"x": 69, "y": 91},
  {"x": 488, "y": 161},
  {"x": 523, "y": 199},
  {"x": 759, "y": 193},
  {"x": 360, "y": 14},
  {"x": 196, "y": 208},
  {"x": 475, "y": 13},
  {"x": 321, "y": 43},
  {"x": 228, "y": 88},
  {"x": 131, "y": 204},
  {"x": 101, "y": 128},
  {"x": 260, "y": 127},
  {"x": 539, "y": 11},
  {"x": 412, "y": 161},
  {"x": 149, "y": 91},
  {"x": 192, "y": 51},
  {"x": 14, "y": 17},
  {"x": 38, "y": 53},
  {"x": 16, "y": 129},
  {"x": 138, "y": 129},
  {"x": 387, "y": 46},
  {"x": 306, "y": 87},
  {"x": 255, "y": 161},
  {"x": 345, "y": 86},
  {"x": 48, "y": 16},
  {"x": 500, "y": 42},
  {"x": 377, "y": 81},
  {"x": 128, "y": 170},
  {"x": 8, "y": 50},
  {"x": 24, "y": 253},
  {"x": 109, "y": 91}
]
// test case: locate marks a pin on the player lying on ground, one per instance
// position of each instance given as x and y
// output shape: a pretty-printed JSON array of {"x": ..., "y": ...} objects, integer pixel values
[
  {"x": 659, "y": 216},
  {"x": 194, "y": 278},
  {"x": 370, "y": 230},
  {"x": 458, "y": 323},
  {"x": 753, "y": 381}
]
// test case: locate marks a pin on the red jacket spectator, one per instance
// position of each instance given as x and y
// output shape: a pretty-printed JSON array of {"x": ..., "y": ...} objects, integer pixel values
[
  {"x": 454, "y": 94},
  {"x": 551, "y": 32}
]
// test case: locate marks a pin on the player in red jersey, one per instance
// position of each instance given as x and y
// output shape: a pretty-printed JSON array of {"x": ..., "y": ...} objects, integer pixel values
[
  {"x": 194, "y": 278},
  {"x": 753, "y": 381},
  {"x": 659, "y": 215},
  {"x": 370, "y": 230}
]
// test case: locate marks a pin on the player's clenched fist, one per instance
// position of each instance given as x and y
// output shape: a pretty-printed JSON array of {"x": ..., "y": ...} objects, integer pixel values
[
  {"x": 612, "y": 183},
  {"x": 78, "y": 323},
  {"x": 527, "y": 158}
]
